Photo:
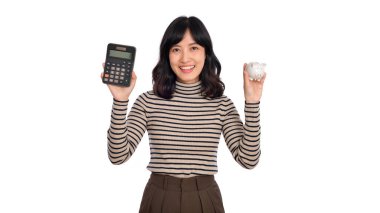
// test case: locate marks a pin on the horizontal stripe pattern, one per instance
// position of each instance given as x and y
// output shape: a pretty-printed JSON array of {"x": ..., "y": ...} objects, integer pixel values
[{"x": 184, "y": 132}]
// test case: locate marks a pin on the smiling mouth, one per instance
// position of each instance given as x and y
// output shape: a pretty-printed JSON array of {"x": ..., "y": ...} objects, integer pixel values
[{"x": 187, "y": 68}]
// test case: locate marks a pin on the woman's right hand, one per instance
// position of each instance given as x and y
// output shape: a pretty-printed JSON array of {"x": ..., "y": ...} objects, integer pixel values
[{"x": 121, "y": 93}]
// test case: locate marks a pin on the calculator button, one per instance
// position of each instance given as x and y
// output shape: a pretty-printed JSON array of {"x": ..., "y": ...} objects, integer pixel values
[
  {"x": 111, "y": 76},
  {"x": 122, "y": 73},
  {"x": 105, "y": 79},
  {"x": 112, "y": 68},
  {"x": 106, "y": 75},
  {"x": 117, "y": 69},
  {"x": 111, "y": 80},
  {"x": 122, "y": 69},
  {"x": 117, "y": 77},
  {"x": 121, "y": 77},
  {"x": 116, "y": 81}
]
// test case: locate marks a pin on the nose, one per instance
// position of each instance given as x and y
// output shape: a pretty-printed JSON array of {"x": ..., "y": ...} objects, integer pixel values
[{"x": 185, "y": 56}]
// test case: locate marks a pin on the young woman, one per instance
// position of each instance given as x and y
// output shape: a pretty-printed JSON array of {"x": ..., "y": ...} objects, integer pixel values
[{"x": 185, "y": 114}]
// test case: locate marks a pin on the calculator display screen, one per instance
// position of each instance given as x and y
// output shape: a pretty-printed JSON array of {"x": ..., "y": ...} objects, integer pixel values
[{"x": 120, "y": 54}]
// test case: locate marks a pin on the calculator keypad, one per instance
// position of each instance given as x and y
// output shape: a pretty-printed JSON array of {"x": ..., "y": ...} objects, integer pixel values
[{"x": 118, "y": 72}]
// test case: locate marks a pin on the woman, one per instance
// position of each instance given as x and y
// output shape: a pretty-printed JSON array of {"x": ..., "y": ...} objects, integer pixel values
[{"x": 185, "y": 114}]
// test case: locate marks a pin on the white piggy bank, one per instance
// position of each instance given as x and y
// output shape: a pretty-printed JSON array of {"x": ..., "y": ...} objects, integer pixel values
[{"x": 256, "y": 70}]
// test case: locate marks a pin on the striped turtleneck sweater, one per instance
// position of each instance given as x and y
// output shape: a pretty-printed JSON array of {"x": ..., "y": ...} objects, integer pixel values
[{"x": 184, "y": 131}]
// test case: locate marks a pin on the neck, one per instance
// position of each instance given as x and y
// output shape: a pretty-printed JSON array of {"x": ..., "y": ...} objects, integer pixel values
[{"x": 188, "y": 89}]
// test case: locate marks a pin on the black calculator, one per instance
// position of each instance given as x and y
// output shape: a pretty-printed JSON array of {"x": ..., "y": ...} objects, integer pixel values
[{"x": 119, "y": 64}]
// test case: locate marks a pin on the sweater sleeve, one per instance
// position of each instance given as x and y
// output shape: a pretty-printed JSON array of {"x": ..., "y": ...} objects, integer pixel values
[
  {"x": 124, "y": 135},
  {"x": 243, "y": 140}
]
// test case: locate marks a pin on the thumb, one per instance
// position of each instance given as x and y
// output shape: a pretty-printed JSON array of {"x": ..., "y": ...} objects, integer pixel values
[
  {"x": 245, "y": 74},
  {"x": 133, "y": 79}
]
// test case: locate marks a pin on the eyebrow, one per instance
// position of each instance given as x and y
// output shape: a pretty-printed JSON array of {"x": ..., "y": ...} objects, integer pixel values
[{"x": 194, "y": 43}]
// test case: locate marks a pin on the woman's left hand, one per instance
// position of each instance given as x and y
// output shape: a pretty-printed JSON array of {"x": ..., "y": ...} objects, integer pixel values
[{"x": 253, "y": 89}]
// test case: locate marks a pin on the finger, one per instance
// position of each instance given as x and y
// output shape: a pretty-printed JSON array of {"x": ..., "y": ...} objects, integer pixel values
[
  {"x": 134, "y": 76},
  {"x": 264, "y": 76},
  {"x": 101, "y": 74},
  {"x": 260, "y": 80},
  {"x": 244, "y": 66},
  {"x": 246, "y": 77},
  {"x": 246, "y": 74},
  {"x": 133, "y": 79}
]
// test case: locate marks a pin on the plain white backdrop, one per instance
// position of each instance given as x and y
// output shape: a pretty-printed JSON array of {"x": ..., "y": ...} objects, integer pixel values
[{"x": 319, "y": 111}]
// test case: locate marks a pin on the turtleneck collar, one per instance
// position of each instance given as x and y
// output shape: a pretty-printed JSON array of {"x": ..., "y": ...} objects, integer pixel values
[{"x": 188, "y": 89}]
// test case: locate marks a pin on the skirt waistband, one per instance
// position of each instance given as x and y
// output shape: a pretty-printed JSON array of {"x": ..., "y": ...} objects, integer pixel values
[{"x": 167, "y": 182}]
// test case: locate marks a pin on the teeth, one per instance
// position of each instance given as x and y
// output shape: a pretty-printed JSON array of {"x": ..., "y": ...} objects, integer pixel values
[{"x": 187, "y": 68}]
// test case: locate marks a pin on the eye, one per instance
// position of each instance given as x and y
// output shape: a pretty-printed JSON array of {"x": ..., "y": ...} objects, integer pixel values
[
  {"x": 175, "y": 50},
  {"x": 194, "y": 48}
]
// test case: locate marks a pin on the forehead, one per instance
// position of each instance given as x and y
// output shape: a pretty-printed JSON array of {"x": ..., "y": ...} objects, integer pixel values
[{"x": 187, "y": 39}]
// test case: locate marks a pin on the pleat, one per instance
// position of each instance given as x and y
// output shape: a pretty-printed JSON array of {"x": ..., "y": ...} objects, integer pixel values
[
  {"x": 171, "y": 202},
  {"x": 147, "y": 198},
  {"x": 191, "y": 202},
  {"x": 207, "y": 205},
  {"x": 157, "y": 201},
  {"x": 216, "y": 198}
]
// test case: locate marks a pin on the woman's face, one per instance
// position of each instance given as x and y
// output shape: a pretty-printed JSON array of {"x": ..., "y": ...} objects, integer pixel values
[{"x": 187, "y": 59}]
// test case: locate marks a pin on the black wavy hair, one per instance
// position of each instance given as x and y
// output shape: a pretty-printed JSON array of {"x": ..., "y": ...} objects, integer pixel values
[{"x": 163, "y": 76}]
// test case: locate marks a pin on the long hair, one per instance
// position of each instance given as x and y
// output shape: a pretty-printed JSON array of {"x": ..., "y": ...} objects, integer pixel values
[{"x": 164, "y": 77}]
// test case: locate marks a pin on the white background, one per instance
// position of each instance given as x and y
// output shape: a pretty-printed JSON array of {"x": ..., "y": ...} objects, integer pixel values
[{"x": 319, "y": 111}]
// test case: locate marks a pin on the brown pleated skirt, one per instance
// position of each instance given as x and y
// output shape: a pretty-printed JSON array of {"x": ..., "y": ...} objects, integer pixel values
[{"x": 167, "y": 194}]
